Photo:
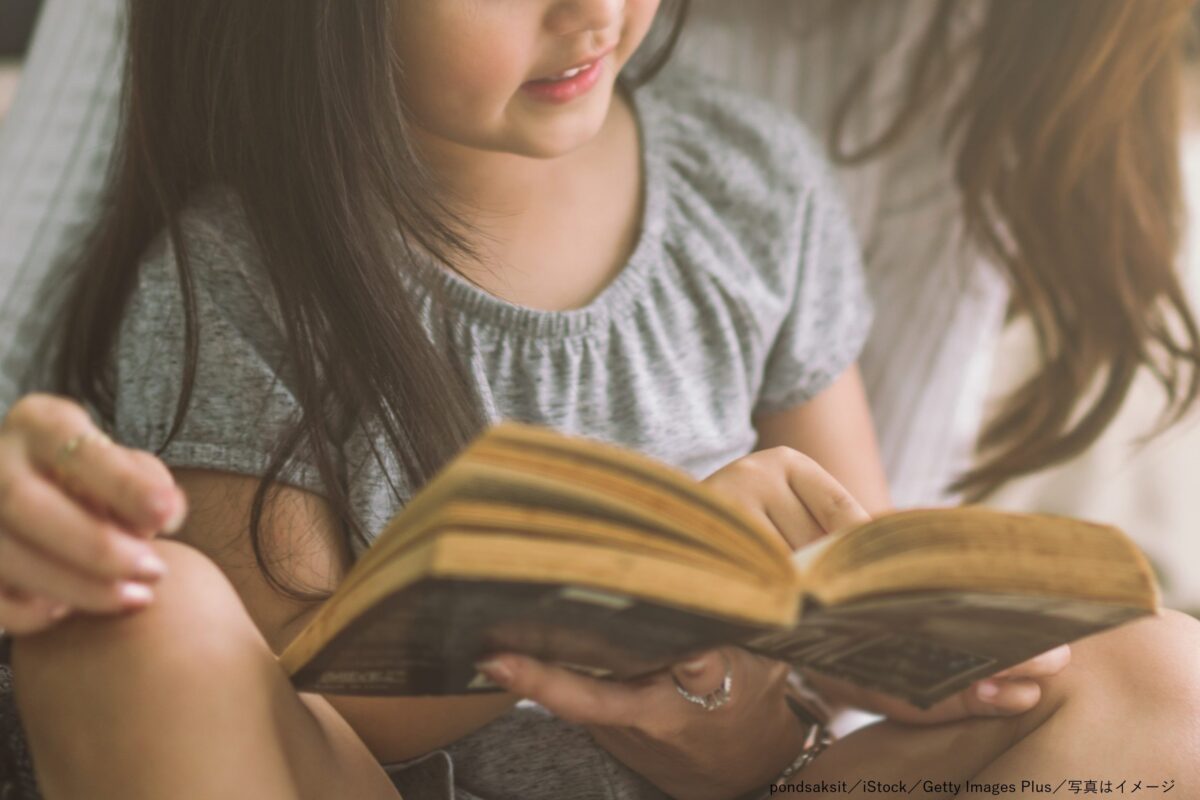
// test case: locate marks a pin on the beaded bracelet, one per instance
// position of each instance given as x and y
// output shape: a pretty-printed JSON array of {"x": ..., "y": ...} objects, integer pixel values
[
  {"x": 813, "y": 712},
  {"x": 815, "y": 742}
]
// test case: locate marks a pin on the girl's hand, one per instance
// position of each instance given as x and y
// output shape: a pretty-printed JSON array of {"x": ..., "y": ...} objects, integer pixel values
[
  {"x": 797, "y": 497},
  {"x": 789, "y": 492},
  {"x": 1009, "y": 692},
  {"x": 678, "y": 746},
  {"x": 75, "y": 510}
]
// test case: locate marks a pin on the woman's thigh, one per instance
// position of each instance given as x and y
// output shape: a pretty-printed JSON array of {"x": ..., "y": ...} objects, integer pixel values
[
  {"x": 183, "y": 699},
  {"x": 1127, "y": 706}
]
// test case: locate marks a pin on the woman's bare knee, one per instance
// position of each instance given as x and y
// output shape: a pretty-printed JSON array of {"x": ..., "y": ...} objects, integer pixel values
[
  {"x": 196, "y": 616},
  {"x": 184, "y": 699},
  {"x": 143, "y": 693},
  {"x": 196, "y": 634},
  {"x": 1147, "y": 664}
]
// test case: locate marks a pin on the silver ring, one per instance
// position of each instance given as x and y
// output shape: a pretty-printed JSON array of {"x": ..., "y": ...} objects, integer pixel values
[{"x": 715, "y": 699}]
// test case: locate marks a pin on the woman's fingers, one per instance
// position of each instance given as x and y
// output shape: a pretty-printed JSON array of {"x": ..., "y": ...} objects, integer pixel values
[
  {"x": 33, "y": 573},
  {"x": 702, "y": 675},
  {"x": 35, "y": 512},
  {"x": 1049, "y": 663},
  {"x": 64, "y": 443},
  {"x": 566, "y": 694},
  {"x": 21, "y": 614},
  {"x": 136, "y": 488},
  {"x": 69, "y": 500},
  {"x": 1002, "y": 697},
  {"x": 990, "y": 698}
]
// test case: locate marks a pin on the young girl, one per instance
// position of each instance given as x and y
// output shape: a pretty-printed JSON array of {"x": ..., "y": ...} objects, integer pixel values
[{"x": 386, "y": 223}]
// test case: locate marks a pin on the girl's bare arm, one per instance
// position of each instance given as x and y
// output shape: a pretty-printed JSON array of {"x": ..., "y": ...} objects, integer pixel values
[{"x": 835, "y": 430}]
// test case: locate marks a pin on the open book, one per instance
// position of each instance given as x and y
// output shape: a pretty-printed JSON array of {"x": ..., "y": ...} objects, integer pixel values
[{"x": 586, "y": 554}]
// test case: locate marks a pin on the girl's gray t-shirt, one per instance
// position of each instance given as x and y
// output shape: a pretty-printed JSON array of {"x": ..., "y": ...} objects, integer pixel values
[{"x": 744, "y": 295}]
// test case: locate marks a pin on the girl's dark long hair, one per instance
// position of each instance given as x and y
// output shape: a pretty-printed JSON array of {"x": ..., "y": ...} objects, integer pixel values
[
  {"x": 294, "y": 105},
  {"x": 1065, "y": 137}
]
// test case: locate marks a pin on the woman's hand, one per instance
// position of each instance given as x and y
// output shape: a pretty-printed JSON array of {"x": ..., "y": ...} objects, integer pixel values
[
  {"x": 681, "y": 748},
  {"x": 1011, "y": 691},
  {"x": 790, "y": 493},
  {"x": 75, "y": 511}
]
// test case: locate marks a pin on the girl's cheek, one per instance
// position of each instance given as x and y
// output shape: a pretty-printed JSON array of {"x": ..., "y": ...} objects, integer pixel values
[
  {"x": 467, "y": 83},
  {"x": 490, "y": 64},
  {"x": 642, "y": 11},
  {"x": 639, "y": 18}
]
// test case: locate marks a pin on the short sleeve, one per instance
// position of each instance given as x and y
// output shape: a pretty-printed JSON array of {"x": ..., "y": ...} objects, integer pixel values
[
  {"x": 828, "y": 312},
  {"x": 241, "y": 400}
]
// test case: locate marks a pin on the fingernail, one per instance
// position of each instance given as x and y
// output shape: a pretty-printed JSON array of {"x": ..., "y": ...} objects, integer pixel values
[
  {"x": 150, "y": 566},
  {"x": 60, "y": 611},
  {"x": 496, "y": 670},
  {"x": 696, "y": 667},
  {"x": 161, "y": 502},
  {"x": 135, "y": 594},
  {"x": 1061, "y": 650},
  {"x": 175, "y": 521},
  {"x": 987, "y": 691}
]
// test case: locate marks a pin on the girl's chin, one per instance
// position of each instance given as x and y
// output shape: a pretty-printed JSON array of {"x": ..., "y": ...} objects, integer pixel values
[
  {"x": 535, "y": 132},
  {"x": 554, "y": 135}
]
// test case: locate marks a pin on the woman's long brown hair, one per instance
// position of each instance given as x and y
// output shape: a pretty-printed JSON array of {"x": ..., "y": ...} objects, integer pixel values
[
  {"x": 295, "y": 105},
  {"x": 1066, "y": 140}
]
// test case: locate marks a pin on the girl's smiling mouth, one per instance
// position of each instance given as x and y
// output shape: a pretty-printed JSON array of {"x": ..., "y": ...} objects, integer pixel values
[{"x": 570, "y": 83}]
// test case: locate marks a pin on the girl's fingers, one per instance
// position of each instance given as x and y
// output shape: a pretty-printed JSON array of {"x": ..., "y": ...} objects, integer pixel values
[
  {"x": 21, "y": 614},
  {"x": 794, "y": 522},
  {"x": 830, "y": 503},
  {"x": 33, "y": 573},
  {"x": 566, "y": 694},
  {"x": 35, "y": 512},
  {"x": 136, "y": 487},
  {"x": 1049, "y": 663},
  {"x": 787, "y": 517},
  {"x": 793, "y": 494}
]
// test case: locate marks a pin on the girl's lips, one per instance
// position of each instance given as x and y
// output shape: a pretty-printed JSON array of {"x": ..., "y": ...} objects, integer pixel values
[{"x": 564, "y": 90}]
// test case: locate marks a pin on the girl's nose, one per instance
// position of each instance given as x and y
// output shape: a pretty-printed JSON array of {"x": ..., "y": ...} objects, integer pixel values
[{"x": 568, "y": 17}]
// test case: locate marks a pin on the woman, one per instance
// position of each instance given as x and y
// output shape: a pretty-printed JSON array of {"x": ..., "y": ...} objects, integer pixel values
[{"x": 675, "y": 767}]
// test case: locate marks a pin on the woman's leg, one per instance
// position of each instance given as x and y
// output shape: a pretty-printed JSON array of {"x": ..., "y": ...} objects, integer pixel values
[
  {"x": 1126, "y": 708},
  {"x": 182, "y": 700}
]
